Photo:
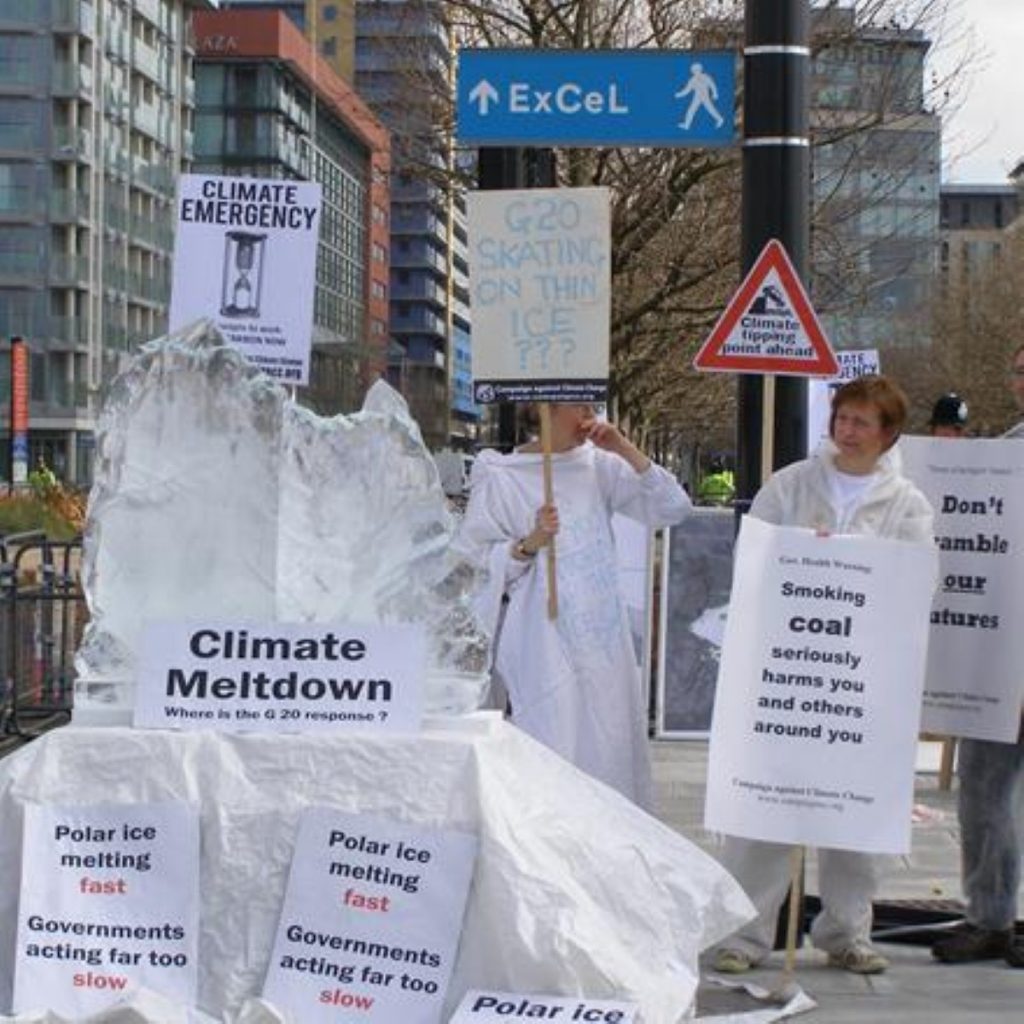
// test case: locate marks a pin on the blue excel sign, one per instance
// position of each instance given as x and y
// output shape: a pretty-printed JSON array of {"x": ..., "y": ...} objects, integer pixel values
[{"x": 596, "y": 98}]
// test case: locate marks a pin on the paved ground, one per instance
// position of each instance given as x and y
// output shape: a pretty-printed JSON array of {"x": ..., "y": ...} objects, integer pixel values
[{"x": 915, "y": 988}]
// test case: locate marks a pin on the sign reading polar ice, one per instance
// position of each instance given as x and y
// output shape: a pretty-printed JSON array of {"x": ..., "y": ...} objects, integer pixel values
[
  {"x": 819, "y": 693},
  {"x": 976, "y": 654},
  {"x": 245, "y": 256},
  {"x": 371, "y": 920},
  {"x": 109, "y": 902},
  {"x": 281, "y": 677},
  {"x": 540, "y": 279}
]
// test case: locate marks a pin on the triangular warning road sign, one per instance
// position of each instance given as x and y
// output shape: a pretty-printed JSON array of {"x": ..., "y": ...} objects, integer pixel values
[{"x": 769, "y": 326}]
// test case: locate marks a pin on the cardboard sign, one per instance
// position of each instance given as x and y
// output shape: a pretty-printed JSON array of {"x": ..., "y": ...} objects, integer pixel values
[
  {"x": 975, "y": 680},
  {"x": 281, "y": 677},
  {"x": 109, "y": 903},
  {"x": 853, "y": 363},
  {"x": 540, "y": 277},
  {"x": 371, "y": 920},
  {"x": 245, "y": 256},
  {"x": 818, "y": 703},
  {"x": 504, "y": 1006},
  {"x": 769, "y": 325}
]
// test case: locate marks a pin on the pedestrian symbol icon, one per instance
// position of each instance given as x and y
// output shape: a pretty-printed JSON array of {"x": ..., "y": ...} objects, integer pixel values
[{"x": 703, "y": 92}]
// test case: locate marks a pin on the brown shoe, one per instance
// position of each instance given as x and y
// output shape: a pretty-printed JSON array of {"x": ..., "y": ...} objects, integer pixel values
[{"x": 968, "y": 942}]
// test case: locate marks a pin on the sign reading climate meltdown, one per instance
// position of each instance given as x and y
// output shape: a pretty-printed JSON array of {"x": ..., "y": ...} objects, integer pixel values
[
  {"x": 975, "y": 678},
  {"x": 283, "y": 677},
  {"x": 109, "y": 902},
  {"x": 819, "y": 694},
  {"x": 245, "y": 256},
  {"x": 371, "y": 920},
  {"x": 540, "y": 278}
]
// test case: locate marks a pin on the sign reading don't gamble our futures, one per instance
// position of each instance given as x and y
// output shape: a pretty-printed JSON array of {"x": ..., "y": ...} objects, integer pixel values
[
  {"x": 281, "y": 677},
  {"x": 371, "y": 920},
  {"x": 975, "y": 679},
  {"x": 540, "y": 279},
  {"x": 245, "y": 256},
  {"x": 818, "y": 702},
  {"x": 109, "y": 902}
]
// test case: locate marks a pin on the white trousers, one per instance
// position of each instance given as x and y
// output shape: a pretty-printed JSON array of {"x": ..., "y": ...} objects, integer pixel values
[{"x": 848, "y": 883}]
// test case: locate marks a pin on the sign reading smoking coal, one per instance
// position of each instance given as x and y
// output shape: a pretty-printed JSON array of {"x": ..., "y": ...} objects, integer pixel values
[
  {"x": 283, "y": 677},
  {"x": 371, "y": 920},
  {"x": 976, "y": 651},
  {"x": 540, "y": 277},
  {"x": 818, "y": 701},
  {"x": 245, "y": 257},
  {"x": 109, "y": 902}
]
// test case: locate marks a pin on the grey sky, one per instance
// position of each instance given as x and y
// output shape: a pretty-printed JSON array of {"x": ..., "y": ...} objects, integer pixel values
[{"x": 984, "y": 139}]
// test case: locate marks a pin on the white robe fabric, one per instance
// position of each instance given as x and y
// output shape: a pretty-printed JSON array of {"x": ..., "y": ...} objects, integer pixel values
[{"x": 573, "y": 683}]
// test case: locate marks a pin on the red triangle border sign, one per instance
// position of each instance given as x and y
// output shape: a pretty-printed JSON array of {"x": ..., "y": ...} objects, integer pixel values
[{"x": 713, "y": 355}]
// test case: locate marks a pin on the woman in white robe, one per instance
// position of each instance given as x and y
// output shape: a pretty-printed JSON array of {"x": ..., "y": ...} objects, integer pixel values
[{"x": 573, "y": 682}]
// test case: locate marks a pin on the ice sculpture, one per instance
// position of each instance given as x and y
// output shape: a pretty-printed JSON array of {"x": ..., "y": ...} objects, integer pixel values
[{"x": 216, "y": 495}]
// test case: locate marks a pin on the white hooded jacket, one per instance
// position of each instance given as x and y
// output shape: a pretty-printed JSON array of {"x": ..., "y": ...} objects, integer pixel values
[{"x": 801, "y": 495}]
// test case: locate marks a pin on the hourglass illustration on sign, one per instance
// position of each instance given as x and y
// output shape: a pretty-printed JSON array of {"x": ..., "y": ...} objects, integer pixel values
[{"x": 244, "y": 254}]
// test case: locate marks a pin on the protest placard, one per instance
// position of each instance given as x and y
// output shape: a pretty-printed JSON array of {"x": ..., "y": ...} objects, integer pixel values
[
  {"x": 540, "y": 280},
  {"x": 109, "y": 903},
  {"x": 975, "y": 679},
  {"x": 281, "y": 677},
  {"x": 371, "y": 920},
  {"x": 478, "y": 1007},
  {"x": 853, "y": 363},
  {"x": 245, "y": 256},
  {"x": 818, "y": 701}
]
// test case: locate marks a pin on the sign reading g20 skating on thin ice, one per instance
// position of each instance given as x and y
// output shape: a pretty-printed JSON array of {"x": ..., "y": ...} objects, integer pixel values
[
  {"x": 540, "y": 278},
  {"x": 281, "y": 677},
  {"x": 819, "y": 693},
  {"x": 975, "y": 679},
  {"x": 245, "y": 257}
]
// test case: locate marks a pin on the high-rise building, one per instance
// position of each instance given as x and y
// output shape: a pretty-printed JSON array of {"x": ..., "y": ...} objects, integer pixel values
[
  {"x": 404, "y": 68},
  {"x": 268, "y": 107},
  {"x": 974, "y": 221},
  {"x": 875, "y": 181},
  {"x": 95, "y": 121}
]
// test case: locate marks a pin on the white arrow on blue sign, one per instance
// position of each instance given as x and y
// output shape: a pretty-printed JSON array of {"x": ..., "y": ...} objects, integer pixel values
[{"x": 596, "y": 97}]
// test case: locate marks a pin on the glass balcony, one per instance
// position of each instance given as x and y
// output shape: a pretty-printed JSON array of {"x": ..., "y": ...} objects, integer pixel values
[
  {"x": 18, "y": 264},
  {"x": 66, "y": 205},
  {"x": 147, "y": 61},
  {"x": 149, "y": 9},
  {"x": 19, "y": 136},
  {"x": 71, "y": 79},
  {"x": 19, "y": 13},
  {"x": 72, "y": 268},
  {"x": 70, "y": 143},
  {"x": 74, "y": 16},
  {"x": 69, "y": 329}
]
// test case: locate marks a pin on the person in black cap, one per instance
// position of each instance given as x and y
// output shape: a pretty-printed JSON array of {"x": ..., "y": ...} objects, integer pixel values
[{"x": 949, "y": 416}]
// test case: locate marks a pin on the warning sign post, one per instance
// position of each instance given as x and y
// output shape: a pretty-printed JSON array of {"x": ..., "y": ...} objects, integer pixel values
[{"x": 769, "y": 326}]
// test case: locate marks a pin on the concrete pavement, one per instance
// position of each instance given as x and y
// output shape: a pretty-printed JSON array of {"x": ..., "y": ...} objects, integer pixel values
[{"x": 915, "y": 988}]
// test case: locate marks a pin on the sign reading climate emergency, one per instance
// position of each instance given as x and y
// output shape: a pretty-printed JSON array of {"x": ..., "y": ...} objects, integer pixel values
[
  {"x": 819, "y": 693},
  {"x": 285, "y": 677},
  {"x": 976, "y": 651},
  {"x": 245, "y": 257}
]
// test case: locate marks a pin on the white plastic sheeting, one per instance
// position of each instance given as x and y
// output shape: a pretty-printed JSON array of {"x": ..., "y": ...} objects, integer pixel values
[{"x": 576, "y": 891}]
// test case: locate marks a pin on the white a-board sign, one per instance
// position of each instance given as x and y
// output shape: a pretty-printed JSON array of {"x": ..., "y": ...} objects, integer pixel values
[
  {"x": 818, "y": 701},
  {"x": 480, "y": 1007},
  {"x": 853, "y": 363},
  {"x": 245, "y": 257},
  {"x": 975, "y": 679},
  {"x": 281, "y": 677},
  {"x": 540, "y": 280},
  {"x": 109, "y": 903},
  {"x": 371, "y": 920}
]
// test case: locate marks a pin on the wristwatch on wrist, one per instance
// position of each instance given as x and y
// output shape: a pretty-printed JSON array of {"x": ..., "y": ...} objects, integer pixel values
[{"x": 522, "y": 551}]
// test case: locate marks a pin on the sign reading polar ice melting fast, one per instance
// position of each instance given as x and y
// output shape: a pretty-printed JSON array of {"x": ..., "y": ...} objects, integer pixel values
[
  {"x": 503, "y": 1006},
  {"x": 816, "y": 715},
  {"x": 540, "y": 279},
  {"x": 975, "y": 679},
  {"x": 109, "y": 902},
  {"x": 245, "y": 256},
  {"x": 282, "y": 677},
  {"x": 371, "y": 920}
]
